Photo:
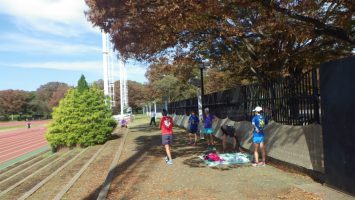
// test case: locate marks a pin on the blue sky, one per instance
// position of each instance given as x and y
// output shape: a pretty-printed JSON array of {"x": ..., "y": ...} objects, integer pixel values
[{"x": 43, "y": 41}]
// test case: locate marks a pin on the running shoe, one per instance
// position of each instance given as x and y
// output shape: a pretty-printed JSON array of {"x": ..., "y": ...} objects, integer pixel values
[
  {"x": 169, "y": 162},
  {"x": 166, "y": 158}
]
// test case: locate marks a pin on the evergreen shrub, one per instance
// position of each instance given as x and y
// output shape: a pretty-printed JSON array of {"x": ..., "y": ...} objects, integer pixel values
[{"x": 82, "y": 118}]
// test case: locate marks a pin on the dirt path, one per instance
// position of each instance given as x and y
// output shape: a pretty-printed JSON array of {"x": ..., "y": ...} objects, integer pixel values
[{"x": 143, "y": 174}]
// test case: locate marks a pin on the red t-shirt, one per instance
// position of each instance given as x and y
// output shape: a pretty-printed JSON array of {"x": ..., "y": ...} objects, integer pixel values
[{"x": 166, "y": 125}]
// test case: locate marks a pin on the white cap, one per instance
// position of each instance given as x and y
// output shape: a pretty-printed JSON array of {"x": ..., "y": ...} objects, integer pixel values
[
  {"x": 207, "y": 109},
  {"x": 257, "y": 109}
]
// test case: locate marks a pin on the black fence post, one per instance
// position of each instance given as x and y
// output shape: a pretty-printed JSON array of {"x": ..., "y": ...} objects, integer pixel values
[{"x": 315, "y": 95}]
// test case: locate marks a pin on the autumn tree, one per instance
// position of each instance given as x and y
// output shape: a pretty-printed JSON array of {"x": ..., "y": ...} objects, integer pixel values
[
  {"x": 47, "y": 96},
  {"x": 252, "y": 39},
  {"x": 39, "y": 102},
  {"x": 13, "y": 101},
  {"x": 170, "y": 80},
  {"x": 45, "y": 92},
  {"x": 137, "y": 94},
  {"x": 58, "y": 95},
  {"x": 99, "y": 83}
]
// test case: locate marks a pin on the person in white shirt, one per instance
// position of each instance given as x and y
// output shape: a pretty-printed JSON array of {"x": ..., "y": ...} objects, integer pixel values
[{"x": 152, "y": 119}]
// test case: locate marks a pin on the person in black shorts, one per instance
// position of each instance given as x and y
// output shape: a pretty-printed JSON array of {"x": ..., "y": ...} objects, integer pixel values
[
  {"x": 228, "y": 130},
  {"x": 193, "y": 128}
]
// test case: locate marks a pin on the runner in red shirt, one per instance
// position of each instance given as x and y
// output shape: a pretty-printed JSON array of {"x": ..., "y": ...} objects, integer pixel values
[{"x": 166, "y": 125}]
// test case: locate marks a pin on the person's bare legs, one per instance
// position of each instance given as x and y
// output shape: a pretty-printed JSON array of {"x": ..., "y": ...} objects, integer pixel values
[
  {"x": 256, "y": 154},
  {"x": 208, "y": 139},
  {"x": 234, "y": 143},
  {"x": 190, "y": 138},
  {"x": 224, "y": 141},
  {"x": 211, "y": 138},
  {"x": 196, "y": 138},
  {"x": 167, "y": 150},
  {"x": 262, "y": 148}
]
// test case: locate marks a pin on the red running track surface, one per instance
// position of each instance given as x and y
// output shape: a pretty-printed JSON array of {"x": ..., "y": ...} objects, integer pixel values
[{"x": 19, "y": 142}]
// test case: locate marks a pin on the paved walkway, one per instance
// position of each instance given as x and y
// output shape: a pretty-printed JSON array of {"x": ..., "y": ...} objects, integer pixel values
[{"x": 143, "y": 174}]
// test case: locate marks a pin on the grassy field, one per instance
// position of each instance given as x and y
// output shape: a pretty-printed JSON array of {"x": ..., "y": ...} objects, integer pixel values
[
  {"x": 14, "y": 127},
  {"x": 10, "y": 128},
  {"x": 140, "y": 119}
]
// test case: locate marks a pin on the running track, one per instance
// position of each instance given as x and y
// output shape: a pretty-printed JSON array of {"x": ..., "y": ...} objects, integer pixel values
[{"x": 19, "y": 142}]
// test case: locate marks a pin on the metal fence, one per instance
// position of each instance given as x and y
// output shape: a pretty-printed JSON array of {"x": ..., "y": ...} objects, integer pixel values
[
  {"x": 183, "y": 107},
  {"x": 291, "y": 101}
]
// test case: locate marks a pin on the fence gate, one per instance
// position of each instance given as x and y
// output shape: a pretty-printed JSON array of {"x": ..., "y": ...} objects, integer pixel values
[{"x": 337, "y": 79}]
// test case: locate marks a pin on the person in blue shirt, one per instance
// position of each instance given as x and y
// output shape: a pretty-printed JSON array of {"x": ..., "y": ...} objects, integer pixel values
[
  {"x": 208, "y": 120},
  {"x": 259, "y": 122},
  {"x": 193, "y": 128}
]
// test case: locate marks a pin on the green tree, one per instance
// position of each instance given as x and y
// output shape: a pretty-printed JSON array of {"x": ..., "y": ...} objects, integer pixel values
[
  {"x": 82, "y": 118},
  {"x": 82, "y": 84}
]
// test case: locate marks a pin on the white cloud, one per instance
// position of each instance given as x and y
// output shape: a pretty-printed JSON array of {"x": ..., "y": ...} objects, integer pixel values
[
  {"x": 92, "y": 66},
  {"x": 58, "y": 17},
  {"x": 26, "y": 44},
  {"x": 134, "y": 72}
]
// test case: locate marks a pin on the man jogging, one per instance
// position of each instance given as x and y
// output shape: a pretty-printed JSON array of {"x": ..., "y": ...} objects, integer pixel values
[{"x": 166, "y": 126}]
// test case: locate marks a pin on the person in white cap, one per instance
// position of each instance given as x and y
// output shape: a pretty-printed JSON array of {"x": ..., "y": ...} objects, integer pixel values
[{"x": 259, "y": 122}]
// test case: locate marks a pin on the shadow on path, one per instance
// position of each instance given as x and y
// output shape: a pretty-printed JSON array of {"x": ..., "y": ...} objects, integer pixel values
[{"x": 147, "y": 151}]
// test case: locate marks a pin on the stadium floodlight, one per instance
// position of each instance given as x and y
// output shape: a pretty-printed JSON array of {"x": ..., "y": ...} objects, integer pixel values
[{"x": 108, "y": 68}]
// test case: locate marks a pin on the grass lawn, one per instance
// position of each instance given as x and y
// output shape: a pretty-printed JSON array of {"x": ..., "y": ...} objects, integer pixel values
[
  {"x": 139, "y": 119},
  {"x": 11, "y": 128}
]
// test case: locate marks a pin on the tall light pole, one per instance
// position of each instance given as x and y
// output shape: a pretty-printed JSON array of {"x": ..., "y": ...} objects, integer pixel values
[
  {"x": 105, "y": 63},
  {"x": 202, "y": 67},
  {"x": 122, "y": 98},
  {"x": 108, "y": 68}
]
